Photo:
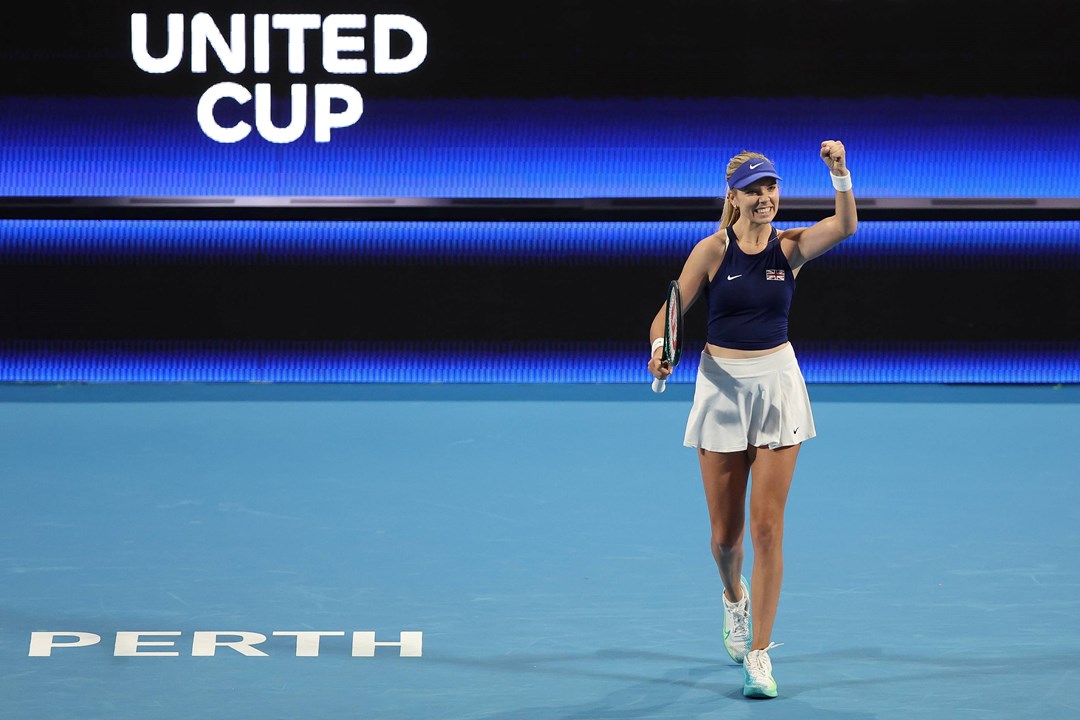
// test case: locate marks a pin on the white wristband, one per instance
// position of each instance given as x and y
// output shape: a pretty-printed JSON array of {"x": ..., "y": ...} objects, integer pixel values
[
  {"x": 841, "y": 182},
  {"x": 657, "y": 343}
]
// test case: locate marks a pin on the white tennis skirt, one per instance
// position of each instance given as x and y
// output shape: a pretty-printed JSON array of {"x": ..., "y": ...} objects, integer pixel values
[{"x": 759, "y": 401}]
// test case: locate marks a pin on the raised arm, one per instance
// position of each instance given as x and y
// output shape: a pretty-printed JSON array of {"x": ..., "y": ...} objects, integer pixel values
[{"x": 831, "y": 231}]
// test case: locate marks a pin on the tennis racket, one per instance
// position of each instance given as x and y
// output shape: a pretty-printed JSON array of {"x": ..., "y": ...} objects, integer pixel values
[{"x": 672, "y": 329}]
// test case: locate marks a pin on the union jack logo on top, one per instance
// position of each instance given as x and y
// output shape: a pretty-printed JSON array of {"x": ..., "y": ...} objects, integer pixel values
[{"x": 774, "y": 275}]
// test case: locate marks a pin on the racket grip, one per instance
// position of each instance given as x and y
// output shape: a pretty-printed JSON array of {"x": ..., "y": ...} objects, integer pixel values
[{"x": 658, "y": 385}]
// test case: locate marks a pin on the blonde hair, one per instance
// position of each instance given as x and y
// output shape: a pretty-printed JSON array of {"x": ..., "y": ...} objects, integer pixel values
[{"x": 731, "y": 213}]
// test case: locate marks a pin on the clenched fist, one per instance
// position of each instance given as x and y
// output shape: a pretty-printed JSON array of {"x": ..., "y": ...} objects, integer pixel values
[{"x": 832, "y": 152}]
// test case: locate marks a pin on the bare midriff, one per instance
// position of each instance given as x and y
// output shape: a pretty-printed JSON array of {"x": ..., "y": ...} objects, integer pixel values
[{"x": 734, "y": 354}]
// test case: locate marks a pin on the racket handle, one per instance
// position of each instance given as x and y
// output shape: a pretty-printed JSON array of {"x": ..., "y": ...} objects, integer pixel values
[{"x": 658, "y": 385}]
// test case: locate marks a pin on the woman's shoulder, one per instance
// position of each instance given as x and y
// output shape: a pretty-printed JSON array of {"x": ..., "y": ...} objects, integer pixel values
[
  {"x": 707, "y": 254},
  {"x": 789, "y": 244},
  {"x": 713, "y": 245},
  {"x": 790, "y": 234}
]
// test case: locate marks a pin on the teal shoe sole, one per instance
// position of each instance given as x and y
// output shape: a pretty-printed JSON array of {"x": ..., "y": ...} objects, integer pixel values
[{"x": 755, "y": 691}]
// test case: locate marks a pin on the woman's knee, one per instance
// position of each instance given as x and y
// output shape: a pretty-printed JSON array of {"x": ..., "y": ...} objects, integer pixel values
[
  {"x": 726, "y": 541},
  {"x": 767, "y": 533}
]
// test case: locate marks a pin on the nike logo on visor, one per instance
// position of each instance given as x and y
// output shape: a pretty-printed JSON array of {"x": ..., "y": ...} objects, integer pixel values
[{"x": 755, "y": 167}]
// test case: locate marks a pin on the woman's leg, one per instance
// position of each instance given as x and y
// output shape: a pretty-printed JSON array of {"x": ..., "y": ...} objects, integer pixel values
[
  {"x": 772, "y": 471},
  {"x": 724, "y": 476}
]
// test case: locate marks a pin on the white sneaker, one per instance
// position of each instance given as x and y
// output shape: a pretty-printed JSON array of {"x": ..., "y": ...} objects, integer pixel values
[
  {"x": 738, "y": 628},
  {"x": 757, "y": 668}
]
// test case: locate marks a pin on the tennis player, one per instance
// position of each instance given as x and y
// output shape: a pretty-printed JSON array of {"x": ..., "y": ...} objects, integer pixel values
[{"x": 751, "y": 411}]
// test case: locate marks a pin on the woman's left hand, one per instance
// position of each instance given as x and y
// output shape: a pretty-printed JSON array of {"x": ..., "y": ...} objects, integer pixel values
[{"x": 832, "y": 152}]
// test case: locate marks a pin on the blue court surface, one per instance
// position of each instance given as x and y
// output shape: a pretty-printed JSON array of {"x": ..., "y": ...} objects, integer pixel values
[{"x": 521, "y": 552}]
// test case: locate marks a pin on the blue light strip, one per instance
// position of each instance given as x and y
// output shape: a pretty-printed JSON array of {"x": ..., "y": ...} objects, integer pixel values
[
  {"x": 241, "y": 362},
  {"x": 546, "y": 148},
  {"x": 953, "y": 245},
  {"x": 878, "y": 244}
]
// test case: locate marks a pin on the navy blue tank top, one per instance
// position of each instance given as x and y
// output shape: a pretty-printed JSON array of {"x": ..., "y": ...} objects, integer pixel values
[{"x": 750, "y": 297}]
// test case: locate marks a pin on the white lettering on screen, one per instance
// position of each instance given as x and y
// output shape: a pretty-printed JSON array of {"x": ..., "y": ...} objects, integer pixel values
[{"x": 247, "y": 43}]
